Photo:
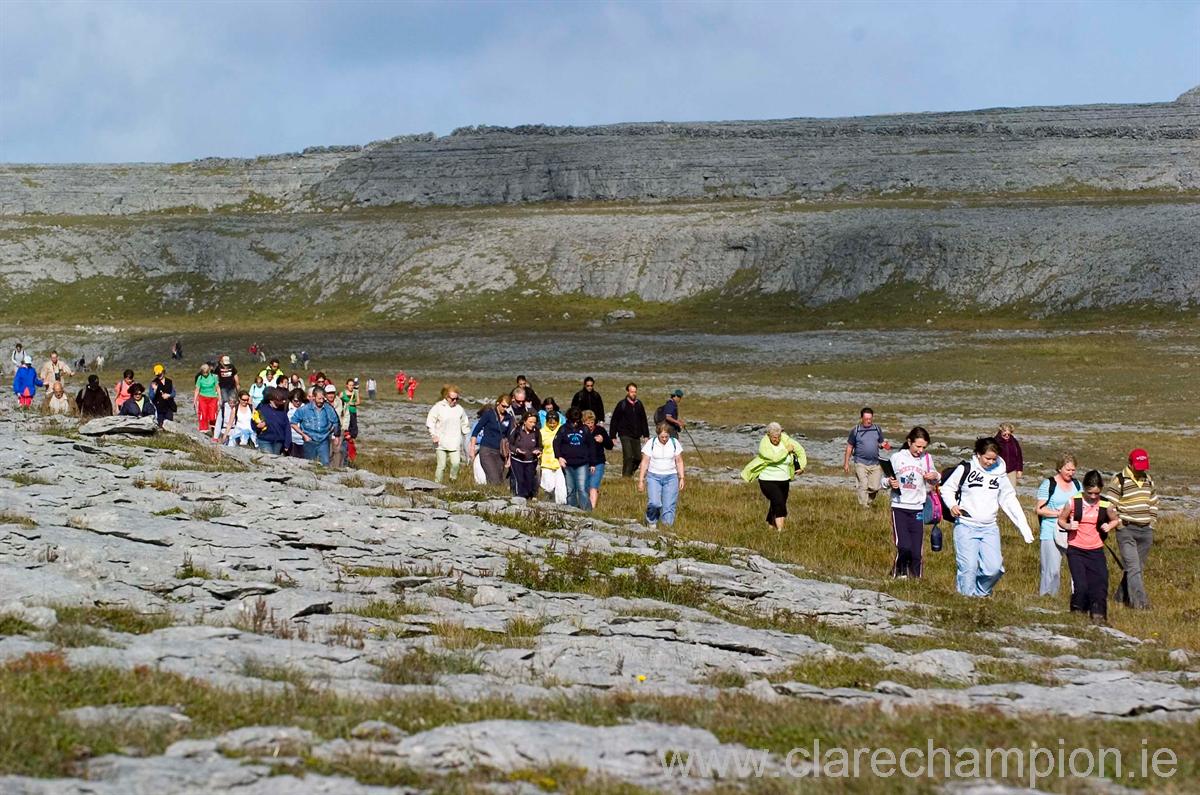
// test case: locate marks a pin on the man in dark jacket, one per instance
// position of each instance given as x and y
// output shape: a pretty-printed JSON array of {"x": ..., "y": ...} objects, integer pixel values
[
  {"x": 138, "y": 405},
  {"x": 588, "y": 399},
  {"x": 272, "y": 425},
  {"x": 93, "y": 400},
  {"x": 162, "y": 395},
  {"x": 530, "y": 395},
  {"x": 630, "y": 427}
]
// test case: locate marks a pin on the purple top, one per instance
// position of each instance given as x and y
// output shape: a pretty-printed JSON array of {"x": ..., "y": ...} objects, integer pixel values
[{"x": 1010, "y": 452}]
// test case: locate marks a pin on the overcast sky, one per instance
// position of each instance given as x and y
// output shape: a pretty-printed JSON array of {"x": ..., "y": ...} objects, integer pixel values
[{"x": 100, "y": 81}]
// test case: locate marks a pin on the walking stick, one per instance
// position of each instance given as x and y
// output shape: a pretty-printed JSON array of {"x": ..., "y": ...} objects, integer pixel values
[
  {"x": 693, "y": 441},
  {"x": 1116, "y": 558}
]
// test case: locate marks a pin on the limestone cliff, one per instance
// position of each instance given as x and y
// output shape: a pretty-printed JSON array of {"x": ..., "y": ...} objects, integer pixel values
[{"x": 1037, "y": 208}]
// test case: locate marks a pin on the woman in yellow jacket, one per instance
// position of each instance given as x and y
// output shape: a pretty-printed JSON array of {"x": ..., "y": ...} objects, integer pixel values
[
  {"x": 779, "y": 459},
  {"x": 552, "y": 478}
]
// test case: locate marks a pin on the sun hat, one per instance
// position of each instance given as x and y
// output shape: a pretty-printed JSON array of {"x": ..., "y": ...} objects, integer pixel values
[
  {"x": 1139, "y": 460},
  {"x": 28, "y": 359},
  {"x": 677, "y": 393},
  {"x": 159, "y": 369},
  {"x": 330, "y": 388}
]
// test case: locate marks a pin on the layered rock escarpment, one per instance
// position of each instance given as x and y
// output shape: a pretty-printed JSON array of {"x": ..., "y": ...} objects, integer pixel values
[{"x": 997, "y": 207}]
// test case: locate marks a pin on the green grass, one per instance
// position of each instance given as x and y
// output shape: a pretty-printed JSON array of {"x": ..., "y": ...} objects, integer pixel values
[
  {"x": 421, "y": 667},
  {"x": 118, "y": 619},
  {"x": 387, "y": 609},
  {"x": 27, "y": 479},
  {"x": 535, "y": 522},
  {"x": 75, "y": 636},
  {"x": 11, "y": 625},
  {"x": 188, "y": 569},
  {"x": 582, "y": 571}
]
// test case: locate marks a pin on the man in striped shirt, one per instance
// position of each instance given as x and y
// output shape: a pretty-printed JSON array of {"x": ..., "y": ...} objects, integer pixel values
[{"x": 1132, "y": 493}]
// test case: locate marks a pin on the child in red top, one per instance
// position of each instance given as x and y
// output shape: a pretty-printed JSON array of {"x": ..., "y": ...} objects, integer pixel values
[
  {"x": 400, "y": 379},
  {"x": 412, "y": 387},
  {"x": 1088, "y": 521}
]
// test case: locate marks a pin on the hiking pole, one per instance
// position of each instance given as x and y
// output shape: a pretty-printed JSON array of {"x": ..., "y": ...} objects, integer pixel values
[
  {"x": 1116, "y": 558},
  {"x": 693, "y": 441}
]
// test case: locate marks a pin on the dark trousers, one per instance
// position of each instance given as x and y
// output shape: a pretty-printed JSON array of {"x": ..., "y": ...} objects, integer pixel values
[
  {"x": 524, "y": 478},
  {"x": 776, "y": 492},
  {"x": 908, "y": 534},
  {"x": 493, "y": 465},
  {"x": 296, "y": 451},
  {"x": 353, "y": 425},
  {"x": 1089, "y": 581},
  {"x": 631, "y": 455}
]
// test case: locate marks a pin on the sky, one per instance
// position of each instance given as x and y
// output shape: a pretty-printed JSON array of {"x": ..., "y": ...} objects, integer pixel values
[{"x": 164, "y": 81}]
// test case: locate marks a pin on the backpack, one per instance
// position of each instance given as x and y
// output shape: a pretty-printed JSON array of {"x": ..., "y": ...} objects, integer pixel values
[
  {"x": 948, "y": 472},
  {"x": 1102, "y": 518},
  {"x": 660, "y": 415},
  {"x": 1054, "y": 485}
]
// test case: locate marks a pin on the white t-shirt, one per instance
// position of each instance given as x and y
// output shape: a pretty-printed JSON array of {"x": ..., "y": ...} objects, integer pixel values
[
  {"x": 371, "y": 385},
  {"x": 911, "y": 474},
  {"x": 662, "y": 456}
]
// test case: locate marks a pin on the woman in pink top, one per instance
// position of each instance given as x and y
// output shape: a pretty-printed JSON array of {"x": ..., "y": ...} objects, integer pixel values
[
  {"x": 1088, "y": 521},
  {"x": 121, "y": 391}
]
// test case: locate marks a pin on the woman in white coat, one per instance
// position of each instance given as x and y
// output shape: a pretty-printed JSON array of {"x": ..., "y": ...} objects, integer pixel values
[{"x": 974, "y": 493}]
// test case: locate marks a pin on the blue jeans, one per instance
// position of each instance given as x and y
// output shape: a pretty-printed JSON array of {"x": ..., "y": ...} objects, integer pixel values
[
  {"x": 577, "y": 487},
  {"x": 317, "y": 451},
  {"x": 275, "y": 448},
  {"x": 238, "y": 436},
  {"x": 594, "y": 478},
  {"x": 662, "y": 495},
  {"x": 977, "y": 554}
]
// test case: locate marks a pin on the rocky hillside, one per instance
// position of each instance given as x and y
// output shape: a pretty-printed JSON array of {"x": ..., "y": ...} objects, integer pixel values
[
  {"x": 183, "y": 618},
  {"x": 1017, "y": 207}
]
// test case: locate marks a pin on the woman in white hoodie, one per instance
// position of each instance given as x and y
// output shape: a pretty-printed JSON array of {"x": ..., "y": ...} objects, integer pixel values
[{"x": 974, "y": 493}]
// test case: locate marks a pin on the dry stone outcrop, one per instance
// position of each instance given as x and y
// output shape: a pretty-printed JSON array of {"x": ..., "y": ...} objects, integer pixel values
[{"x": 1009, "y": 206}]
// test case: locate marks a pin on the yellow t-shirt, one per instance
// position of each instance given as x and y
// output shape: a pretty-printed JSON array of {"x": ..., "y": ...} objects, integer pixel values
[{"x": 549, "y": 461}]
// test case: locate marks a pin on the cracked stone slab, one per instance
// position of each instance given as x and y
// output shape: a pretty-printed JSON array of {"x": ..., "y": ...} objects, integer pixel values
[
  {"x": 627, "y": 752},
  {"x": 158, "y": 718},
  {"x": 1126, "y": 696}
]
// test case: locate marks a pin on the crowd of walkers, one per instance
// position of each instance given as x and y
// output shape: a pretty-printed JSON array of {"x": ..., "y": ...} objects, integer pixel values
[
  {"x": 542, "y": 450},
  {"x": 1075, "y": 518}
]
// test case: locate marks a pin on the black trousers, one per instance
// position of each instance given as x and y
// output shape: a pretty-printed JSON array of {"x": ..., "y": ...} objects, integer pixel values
[
  {"x": 1089, "y": 581},
  {"x": 776, "y": 492},
  {"x": 524, "y": 478},
  {"x": 909, "y": 536},
  {"x": 631, "y": 455}
]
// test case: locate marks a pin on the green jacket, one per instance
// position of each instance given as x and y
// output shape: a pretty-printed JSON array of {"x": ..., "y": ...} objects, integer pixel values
[{"x": 774, "y": 460}]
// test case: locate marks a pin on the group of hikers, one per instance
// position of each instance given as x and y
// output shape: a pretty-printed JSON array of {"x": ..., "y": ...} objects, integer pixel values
[
  {"x": 279, "y": 413},
  {"x": 540, "y": 449},
  {"x": 1075, "y": 518}
]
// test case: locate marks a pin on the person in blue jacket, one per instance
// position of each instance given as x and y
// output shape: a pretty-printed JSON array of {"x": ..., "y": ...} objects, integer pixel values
[
  {"x": 274, "y": 429},
  {"x": 573, "y": 447},
  {"x": 26, "y": 382},
  {"x": 138, "y": 404}
]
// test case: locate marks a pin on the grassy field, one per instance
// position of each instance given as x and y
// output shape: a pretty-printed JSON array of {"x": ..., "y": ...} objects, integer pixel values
[{"x": 830, "y": 537}]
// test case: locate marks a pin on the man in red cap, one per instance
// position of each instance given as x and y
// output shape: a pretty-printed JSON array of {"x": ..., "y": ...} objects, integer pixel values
[{"x": 1131, "y": 492}]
